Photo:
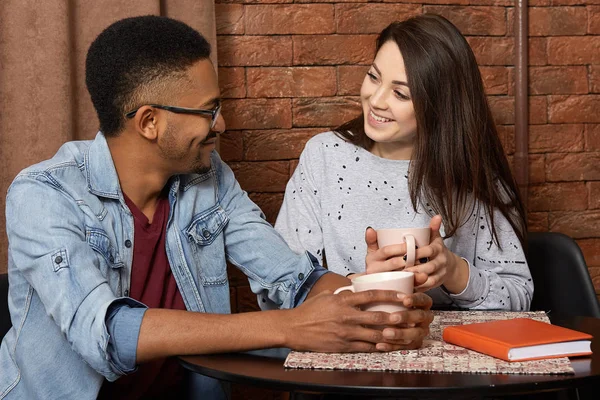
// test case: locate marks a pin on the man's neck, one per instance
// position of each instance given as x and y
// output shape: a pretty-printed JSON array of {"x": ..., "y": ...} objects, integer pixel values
[{"x": 138, "y": 176}]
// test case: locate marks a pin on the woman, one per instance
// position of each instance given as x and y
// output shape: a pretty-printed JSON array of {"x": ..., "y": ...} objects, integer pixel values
[{"x": 424, "y": 151}]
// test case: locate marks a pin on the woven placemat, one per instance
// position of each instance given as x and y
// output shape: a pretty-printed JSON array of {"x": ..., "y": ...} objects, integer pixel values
[{"x": 436, "y": 355}]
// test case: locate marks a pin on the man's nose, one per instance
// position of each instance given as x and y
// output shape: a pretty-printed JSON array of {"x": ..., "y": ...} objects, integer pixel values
[{"x": 220, "y": 125}]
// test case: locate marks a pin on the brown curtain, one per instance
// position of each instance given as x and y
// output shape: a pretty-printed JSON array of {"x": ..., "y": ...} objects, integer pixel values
[{"x": 43, "y": 99}]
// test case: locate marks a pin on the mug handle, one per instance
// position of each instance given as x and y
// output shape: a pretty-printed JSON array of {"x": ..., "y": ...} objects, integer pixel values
[
  {"x": 350, "y": 288},
  {"x": 411, "y": 251}
]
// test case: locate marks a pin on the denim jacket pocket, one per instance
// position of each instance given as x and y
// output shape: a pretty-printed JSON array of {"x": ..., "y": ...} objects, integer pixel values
[
  {"x": 207, "y": 243},
  {"x": 99, "y": 241}
]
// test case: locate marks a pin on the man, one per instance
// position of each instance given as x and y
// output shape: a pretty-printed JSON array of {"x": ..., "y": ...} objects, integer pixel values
[{"x": 112, "y": 240}]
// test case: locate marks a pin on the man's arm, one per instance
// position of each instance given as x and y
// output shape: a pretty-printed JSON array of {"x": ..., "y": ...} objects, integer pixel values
[
  {"x": 325, "y": 322},
  {"x": 328, "y": 282}
]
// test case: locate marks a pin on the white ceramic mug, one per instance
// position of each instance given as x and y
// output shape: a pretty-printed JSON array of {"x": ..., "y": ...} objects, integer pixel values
[
  {"x": 413, "y": 237},
  {"x": 400, "y": 281}
]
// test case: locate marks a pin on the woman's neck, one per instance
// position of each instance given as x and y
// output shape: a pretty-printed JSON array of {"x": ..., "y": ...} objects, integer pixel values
[{"x": 392, "y": 151}]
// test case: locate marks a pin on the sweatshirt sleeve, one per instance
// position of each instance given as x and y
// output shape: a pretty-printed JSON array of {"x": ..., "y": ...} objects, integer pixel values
[
  {"x": 499, "y": 278},
  {"x": 299, "y": 219}
]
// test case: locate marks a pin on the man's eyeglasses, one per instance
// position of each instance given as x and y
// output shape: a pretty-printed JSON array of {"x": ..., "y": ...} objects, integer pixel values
[{"x": 214, "y": 113}]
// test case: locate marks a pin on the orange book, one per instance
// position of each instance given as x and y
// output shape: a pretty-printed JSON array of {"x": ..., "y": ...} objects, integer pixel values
[{"x": 519, "y": 339}]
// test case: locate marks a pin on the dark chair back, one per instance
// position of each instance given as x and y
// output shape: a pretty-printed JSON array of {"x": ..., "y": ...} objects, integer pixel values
[
  {"x": 5, "y": 323},
  {"x": 562, "y": 283}
]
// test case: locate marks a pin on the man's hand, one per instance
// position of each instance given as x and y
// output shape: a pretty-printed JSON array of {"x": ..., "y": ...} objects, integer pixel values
[{"x": 335, "y": 323}]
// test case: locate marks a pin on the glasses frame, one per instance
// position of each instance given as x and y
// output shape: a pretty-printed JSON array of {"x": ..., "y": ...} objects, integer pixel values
[{"x": 214, "y": 113}]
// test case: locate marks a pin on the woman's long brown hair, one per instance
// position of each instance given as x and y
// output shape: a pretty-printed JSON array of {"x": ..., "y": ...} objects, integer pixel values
[{"x": 458, "y": 162}]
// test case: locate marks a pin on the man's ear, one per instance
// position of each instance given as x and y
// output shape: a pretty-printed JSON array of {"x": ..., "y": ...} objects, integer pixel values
[{"x": 146, "y": 122}]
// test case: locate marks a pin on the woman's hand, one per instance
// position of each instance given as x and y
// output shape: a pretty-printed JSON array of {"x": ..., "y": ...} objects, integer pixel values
[
  {"x": 436, "y": 264},
  {"x": 439, "y": 264},
  {"x": 388, "y": 258}
]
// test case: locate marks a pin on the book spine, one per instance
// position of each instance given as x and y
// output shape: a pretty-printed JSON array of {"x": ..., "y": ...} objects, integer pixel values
[{"x": 474, "y": 342}]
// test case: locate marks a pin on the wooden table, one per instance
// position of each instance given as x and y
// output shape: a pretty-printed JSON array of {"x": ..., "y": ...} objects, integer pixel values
[{"x": 265, "y": 368}]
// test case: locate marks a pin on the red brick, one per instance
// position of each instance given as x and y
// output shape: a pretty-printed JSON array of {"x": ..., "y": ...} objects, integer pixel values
[
  {"x": 236, "y": 51},
  {"x": 495, "y": 79},
  {"x": 325, "y": 112},
  {"x": 538, "y": 110},
  {"x": 246, "y": 300},
  {"x": 570, "y": 2},
  {"x": 510, "y": 21},
  {"x": 229, "y": 19},
  {"x": 537, "y": 221},
  {"x": 269, "y": 176},
  {"x": 557, "y": 21},
  {"x": 296, "y": 19},
  {"x": 575, "y": 108},
  {"x": 257, "y": 113},
  {"x": 232, "y": 82},
  {"x": 334, "y": 49},
  {"x": 350, "y": 79},
  {"x": 291, "y": 81},
  {"x": 558, "y": 196},
  {"x": 492, "y": 50},
  {"x": 503, "y": 109},
  {"x": 506, "y": 134},
  {"x": 594, "y": 75},
  {"x": 558, "y": 80},
  {"x": 593, "y": 20},
  {"x": 269, "y": 203},
  {"x": 574, "y": 50},
  {"x": 537, "y": 168},
  {"x": 593, "y": 194},
  {"x": 573, "y": 167},
  {"x": 538, "y": 50},
  {"x": 577, "y": 224},
  {"x": 276, "y": 144},
  {"x": 592, "y": 137},
  {"x": 259, "y": 1},
  {"x": 371, "y": 18},
  {"x": 537, "y": 45},
  {"x": 556, "y": 138},
  {"x": 473, "y": 20},
  {"x": 480, "y": 2},
  {"x": 231, "y": 146},
  {"x": 591, "y": 251},
  {"x": 462, "y": 2}
]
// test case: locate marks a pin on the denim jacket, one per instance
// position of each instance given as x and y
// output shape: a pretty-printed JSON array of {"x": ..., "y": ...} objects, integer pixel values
[{"x": 70, "y": 255}]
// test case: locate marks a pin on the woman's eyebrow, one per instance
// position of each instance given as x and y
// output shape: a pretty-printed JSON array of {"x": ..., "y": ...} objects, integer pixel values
[{"x": 394, "y": 82}]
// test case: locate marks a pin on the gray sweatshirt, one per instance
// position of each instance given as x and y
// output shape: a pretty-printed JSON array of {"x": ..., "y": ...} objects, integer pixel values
[{"x": 339, "y": 189}]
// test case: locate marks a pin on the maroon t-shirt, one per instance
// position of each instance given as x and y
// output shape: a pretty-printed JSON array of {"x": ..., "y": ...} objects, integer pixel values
[{"x": 153, "y": 284}]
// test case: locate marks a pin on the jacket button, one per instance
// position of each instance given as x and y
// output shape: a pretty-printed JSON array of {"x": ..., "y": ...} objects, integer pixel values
[
  {"x": 300, "y": 276},
  {"x": 206, "y": 233},
  {"x": 126, "y": 292},
  {"x": 58, "y": 259},
  {"x": 128, "y": 243}
]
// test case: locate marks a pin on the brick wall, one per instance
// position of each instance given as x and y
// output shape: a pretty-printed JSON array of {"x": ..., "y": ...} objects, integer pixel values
[{"x": 289, "y": 69}]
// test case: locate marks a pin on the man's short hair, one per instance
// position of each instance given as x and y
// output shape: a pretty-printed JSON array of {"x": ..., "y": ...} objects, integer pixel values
[{"x": 132, "y": 62}]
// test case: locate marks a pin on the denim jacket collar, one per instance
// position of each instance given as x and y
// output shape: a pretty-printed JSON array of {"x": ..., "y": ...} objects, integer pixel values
[{"x": 101, "y": 174}]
